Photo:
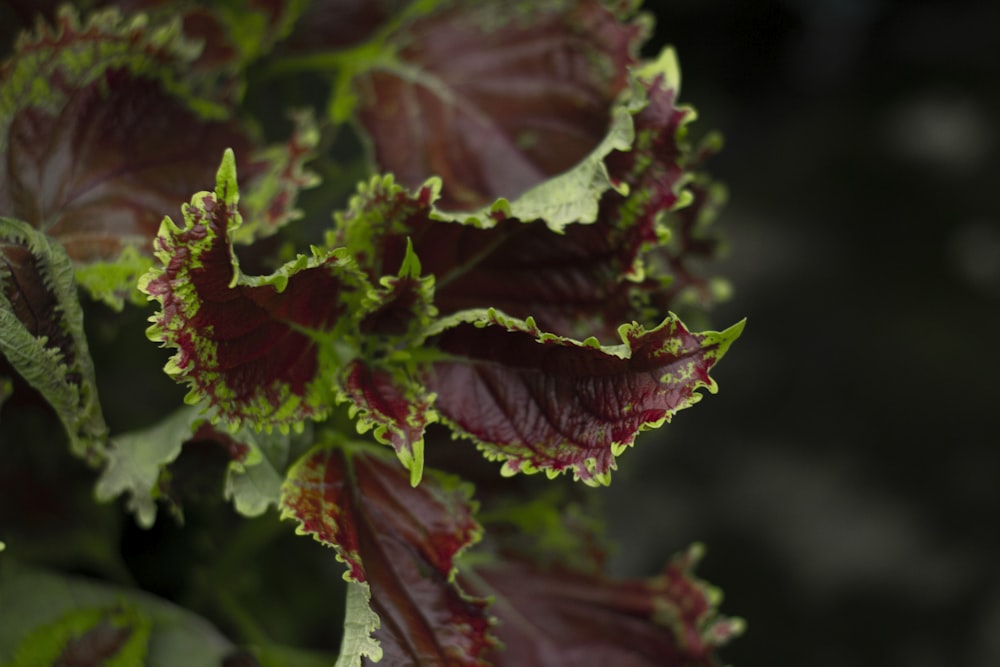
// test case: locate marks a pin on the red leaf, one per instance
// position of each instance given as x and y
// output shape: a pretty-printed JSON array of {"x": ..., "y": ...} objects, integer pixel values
[
  {"x": 495, "y": 101},
  {"x": 560, "y": 617},
  {"x": 327, "y": 25},
  {"x": 247, "y": 345},
  {"x": 402, "y": 541},
  {"x": 541, "y": 402},
  {"x": 398, "y": 410},
  {"x": 102, "y": 171},
  {"x": 101, "y": 140}
]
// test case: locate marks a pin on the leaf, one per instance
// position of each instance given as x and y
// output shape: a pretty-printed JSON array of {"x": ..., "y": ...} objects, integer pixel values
[
  {"x": 397, "y": 409},
  {"x": 399, "y": 540},
  {"x": 103, "y": 136},
  {"x": 6, "y": 389},
  {"x": 31, "y": 599},
  {"x": 668, "y": 197},
  {"x": 587, "y": 279},
  {"x": 135, "y": 464},
  {"x": 112, "y": 636},
  {"x": 359, "y": 624},
  {"x": 548, "y": 529},
  {"x": 269, "y": 201},
  {"x": 495, "y": 98},
  {"x": 558, "y": 616},
  {"x": 233, "y": 33},
  {"x": 382, "y": 388},
  {"x": 574, "y": 284},
  {"x": 543, "y": 402},
  {"x": 135, "y": 461},
  {"x": 248, "y": 346},
  {"x": 253, "y": 482},
  {"x": 689, "y": 249},
  {"x": 42, "y": 335},
  {"x": 328, "y": 25}
]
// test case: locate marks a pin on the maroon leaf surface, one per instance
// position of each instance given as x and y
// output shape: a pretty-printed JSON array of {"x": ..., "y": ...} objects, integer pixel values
[
  {"x": 541, "y": 402},
  {"x": 496, "y": 97},
  {"x": 249, "y": 346},
  {"x": 668, "y": 197},
  {"x": 402, "y": 542},
  {"x": 395, "y": 407},
  {"x": 101, "y": 172},
  {"x": 628, "y": 264},
  {"x": 560, "y": 617},
  {"x": 337, "y": 24},
  {"x": 571, "y": 283},
  {"x": 100, "y": 138}
]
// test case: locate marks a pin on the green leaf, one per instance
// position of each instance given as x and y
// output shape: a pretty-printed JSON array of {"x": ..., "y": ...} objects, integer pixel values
[
  {"x": 115, "y": 281},
  {"x": 359, "y": 624},
  {"x": 32, "y": 599},
  {"x": 135, "y": 461},
  {"x": 547, "y": 529},
  {"x": 253, "y": 482},
  {"x": 116, "y": 636},
  {"x": 42, "y": 335},
  {"x": 6, "y": 389}
]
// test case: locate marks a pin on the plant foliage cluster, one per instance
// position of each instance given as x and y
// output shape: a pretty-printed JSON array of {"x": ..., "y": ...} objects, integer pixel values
[{"x": 402, "y": 256}]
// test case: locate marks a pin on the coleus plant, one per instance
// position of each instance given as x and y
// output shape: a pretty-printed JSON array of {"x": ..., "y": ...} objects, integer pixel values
[{"x": 528, "y": 216}]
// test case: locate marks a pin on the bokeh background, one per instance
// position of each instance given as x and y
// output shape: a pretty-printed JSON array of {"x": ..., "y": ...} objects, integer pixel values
[{"x": 846, "y": 478}]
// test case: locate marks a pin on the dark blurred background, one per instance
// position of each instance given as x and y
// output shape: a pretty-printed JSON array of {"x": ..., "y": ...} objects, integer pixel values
[{"x": 846, "y": 478}]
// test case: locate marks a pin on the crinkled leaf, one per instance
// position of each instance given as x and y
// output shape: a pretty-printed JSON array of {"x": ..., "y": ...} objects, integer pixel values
[
  {"x": 31, "y": 599},
  {"x": 268, "y": 202},
  {"x": 560, "y": 617},
  {"x": 384, "y": 393},
  {"x": 233, "y": 33},
  {"x": 249, "y": 346},
  {"x": 495, "y": 97},
  {"x": 41, "y": 332},
  {"x": 112, "y": 636},
  {"x": 102, "y": 137},
  {"x": 399, "y": 540},
  {"x": 575, "y": 284},
  {"x": 584, "y": 281},
  {"x": 689, "y": 249},
  {"x": 360, "y": 622},
  {"x": 403, "y": 305},
  {"x": 668, "y": 198},
  {"x": 538, "y": 401},
  {"x": 136, "y": 463},
  {"x": 397, "y": 409}
]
